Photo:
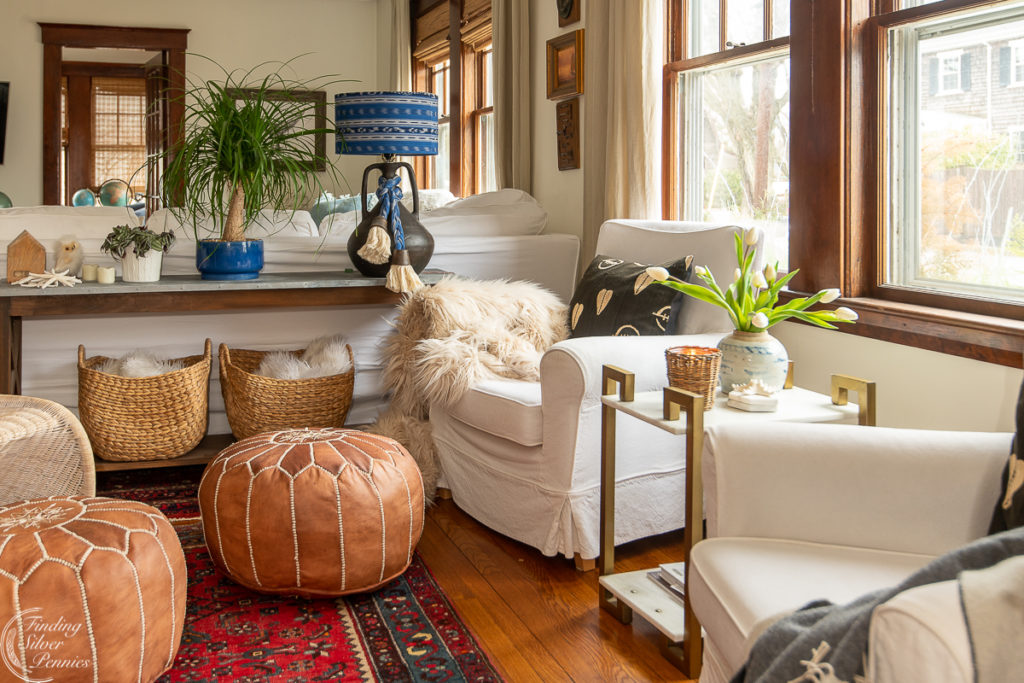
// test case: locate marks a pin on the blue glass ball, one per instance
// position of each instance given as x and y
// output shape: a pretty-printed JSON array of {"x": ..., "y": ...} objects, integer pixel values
[{"x": 83, "y": 197}]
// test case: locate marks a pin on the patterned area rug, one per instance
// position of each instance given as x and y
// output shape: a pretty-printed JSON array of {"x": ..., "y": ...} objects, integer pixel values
[{"x": 405, "y": 631}]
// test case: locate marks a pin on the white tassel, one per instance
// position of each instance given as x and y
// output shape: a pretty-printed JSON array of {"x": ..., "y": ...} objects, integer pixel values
[
  {"x": 401, "y": 276},
  {"x": 377, "y": 249}
]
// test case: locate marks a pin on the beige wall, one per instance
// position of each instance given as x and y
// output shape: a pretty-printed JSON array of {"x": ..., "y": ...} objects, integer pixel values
[
  {"x": 560, "y": 192},
  {"x": 340, "y": 34},
  {"x": 916, "y": 388}
]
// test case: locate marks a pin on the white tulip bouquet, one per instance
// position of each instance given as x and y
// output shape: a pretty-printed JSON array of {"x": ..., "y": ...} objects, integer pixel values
[{"x": 752, "y": 298}]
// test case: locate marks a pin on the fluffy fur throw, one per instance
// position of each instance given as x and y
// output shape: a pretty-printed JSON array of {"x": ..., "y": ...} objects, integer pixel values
[
  {"x": 324, "y": 357},
  {"x": 139, "y": 364},
  {"x": 453, "y": 335}
]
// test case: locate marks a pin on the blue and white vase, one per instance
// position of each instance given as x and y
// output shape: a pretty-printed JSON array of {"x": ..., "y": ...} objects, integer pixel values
[{"x": 752, "y": 355}]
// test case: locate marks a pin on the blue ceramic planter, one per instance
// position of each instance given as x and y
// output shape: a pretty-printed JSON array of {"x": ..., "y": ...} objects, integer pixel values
[
  {"x": 752, "y": 355},
  {"x": 217, "y": 260}
]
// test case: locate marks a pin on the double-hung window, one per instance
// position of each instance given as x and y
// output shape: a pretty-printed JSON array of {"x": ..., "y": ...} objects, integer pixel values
[
  {"x": 952, "y": 176},
  {"x": 452, "y": 58},
  {"x": 729, "y": 75}
]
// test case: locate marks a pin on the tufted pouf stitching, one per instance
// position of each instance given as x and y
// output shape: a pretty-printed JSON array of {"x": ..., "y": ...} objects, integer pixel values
[{"x": 388, "y": 479}]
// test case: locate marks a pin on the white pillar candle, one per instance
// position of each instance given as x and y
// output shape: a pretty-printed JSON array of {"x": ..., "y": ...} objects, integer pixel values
[
  {"x": 105, "y": 275},
  {"x": 89, "y": 273}
]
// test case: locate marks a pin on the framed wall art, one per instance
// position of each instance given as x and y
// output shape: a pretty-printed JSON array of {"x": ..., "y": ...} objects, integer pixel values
[
  {"x": 312, "y": 106},
  {"x": 568, "y": 11},
  {"x": 565, "y": 65},
  {"x": 567, "y": 127}
]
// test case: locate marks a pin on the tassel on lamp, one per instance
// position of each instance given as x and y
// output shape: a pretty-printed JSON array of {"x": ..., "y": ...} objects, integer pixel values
[{"x": 390, "y": 241}]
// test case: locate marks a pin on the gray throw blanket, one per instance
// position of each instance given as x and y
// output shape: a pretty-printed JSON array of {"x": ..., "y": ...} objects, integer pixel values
[{"x": 776, "y": 656}]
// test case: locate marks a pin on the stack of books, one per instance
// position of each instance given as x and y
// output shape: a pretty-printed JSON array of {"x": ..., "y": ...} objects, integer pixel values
[{"x": 671, "y": 577}]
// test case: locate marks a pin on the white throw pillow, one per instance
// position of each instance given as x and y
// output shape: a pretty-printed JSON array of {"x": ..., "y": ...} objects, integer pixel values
[
  {"x": 504, "y": 212},
  {"x": 269, "y": 224}
]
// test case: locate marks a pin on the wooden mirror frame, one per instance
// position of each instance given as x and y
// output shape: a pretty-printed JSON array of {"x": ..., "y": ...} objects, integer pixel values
[{"x": 171, "y": 42}]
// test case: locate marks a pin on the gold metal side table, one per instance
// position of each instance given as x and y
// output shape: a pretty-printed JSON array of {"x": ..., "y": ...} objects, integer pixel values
[{"x": 624, "y": 594}]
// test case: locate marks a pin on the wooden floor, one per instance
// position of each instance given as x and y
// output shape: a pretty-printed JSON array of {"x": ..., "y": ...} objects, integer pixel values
[{"x": 537, "y": 617}]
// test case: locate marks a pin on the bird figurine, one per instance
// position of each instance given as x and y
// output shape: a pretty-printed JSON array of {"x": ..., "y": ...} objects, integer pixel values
[{"x": 70, "y": 255}]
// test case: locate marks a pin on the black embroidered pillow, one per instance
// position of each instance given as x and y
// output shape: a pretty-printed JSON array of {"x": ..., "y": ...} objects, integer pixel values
[
  {"x": 617, "y": 298},
  {"x": 1009, "y": 512}
]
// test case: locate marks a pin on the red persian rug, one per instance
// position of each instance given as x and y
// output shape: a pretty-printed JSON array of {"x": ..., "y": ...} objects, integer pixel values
[{"x": 405, "y": 631}]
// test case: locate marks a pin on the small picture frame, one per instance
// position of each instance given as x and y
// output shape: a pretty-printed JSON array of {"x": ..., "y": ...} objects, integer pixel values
[
  {"x": 568, "y": 12},
  {"x": 565, "y": 65},
  {"x": 315, "y": 115},
  {"x": 567, "y": 128}
]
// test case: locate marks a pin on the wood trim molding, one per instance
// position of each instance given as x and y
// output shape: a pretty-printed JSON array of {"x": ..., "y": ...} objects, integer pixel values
[
  {"x": 139, "y": 38},
  {"x": 985, "y": 338}
]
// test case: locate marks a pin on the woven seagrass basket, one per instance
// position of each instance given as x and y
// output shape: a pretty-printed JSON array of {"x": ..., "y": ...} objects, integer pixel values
[
  {"x": 144, "y": 418},
  {"x": 257, "y": 404},
  {"x": 694, "y": 369}
]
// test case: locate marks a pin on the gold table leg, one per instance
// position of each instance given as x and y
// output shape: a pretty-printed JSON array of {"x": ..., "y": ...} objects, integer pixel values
[
  {"x": 842, "y": 385},
  {"x": 687, "y": 655},
  {"x": 611, "y": 377}
]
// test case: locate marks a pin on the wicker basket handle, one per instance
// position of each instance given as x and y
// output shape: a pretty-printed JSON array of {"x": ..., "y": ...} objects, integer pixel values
[
  {"x": 81, "y": 355},
  {"x": 207, "y": 349},
  {"x": 224, "y": 354}
]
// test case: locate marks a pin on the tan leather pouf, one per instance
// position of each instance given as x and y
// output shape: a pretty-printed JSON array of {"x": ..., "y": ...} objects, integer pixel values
[
  {"x": 312, "y": 512},
  {"x": 91, "y": 589}
]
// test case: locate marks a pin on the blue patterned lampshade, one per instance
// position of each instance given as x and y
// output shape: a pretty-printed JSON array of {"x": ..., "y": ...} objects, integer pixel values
[{"x": 399, "y": 123}]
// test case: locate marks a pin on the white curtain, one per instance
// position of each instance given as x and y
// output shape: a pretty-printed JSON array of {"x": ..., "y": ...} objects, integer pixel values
[
  {"x": 623, "y": 62},
  {"x": 510, "y": 31},
  {"x": 394, "y": 65}
]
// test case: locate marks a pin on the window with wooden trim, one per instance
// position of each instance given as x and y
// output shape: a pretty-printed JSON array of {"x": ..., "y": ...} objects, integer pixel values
[
  {"x": 730, "y": 89},
  {"x": 903, "y": 187},
  {"x": 459, "y": 71},
  {"x": 439, "y": 166},
  {"x": 119, "y": 131},
  {"x": 953, "y": 219},
  {"x": 482, "y": 122},
  {"x": 103, "y": 129}
]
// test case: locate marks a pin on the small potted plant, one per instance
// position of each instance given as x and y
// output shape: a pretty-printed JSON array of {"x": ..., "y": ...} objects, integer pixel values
[{"x": 139, "y": 250}]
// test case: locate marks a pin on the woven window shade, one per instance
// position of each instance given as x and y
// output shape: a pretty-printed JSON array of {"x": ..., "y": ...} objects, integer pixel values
[
  {"x": 119, "y": 130},
  {"x": 476, "y": 23},
  {"x": 430, "y": 42}
]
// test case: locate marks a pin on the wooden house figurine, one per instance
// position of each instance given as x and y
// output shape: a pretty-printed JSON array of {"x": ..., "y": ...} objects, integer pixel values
[{"x": 24, "y": 255}]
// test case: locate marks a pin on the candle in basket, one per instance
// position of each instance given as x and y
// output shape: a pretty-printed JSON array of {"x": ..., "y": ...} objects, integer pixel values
[{"x": 694, "y": 369}]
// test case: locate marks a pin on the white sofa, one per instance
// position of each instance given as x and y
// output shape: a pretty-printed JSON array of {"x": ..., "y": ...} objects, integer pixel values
[
  {"x": 524, "y": 457},
  {"x": 504, "y": 247},
  {"x": 804, "y": 512}
]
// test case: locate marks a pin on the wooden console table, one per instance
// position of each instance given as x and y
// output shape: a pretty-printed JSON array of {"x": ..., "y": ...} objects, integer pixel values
[{"x": 179, "y": 294}]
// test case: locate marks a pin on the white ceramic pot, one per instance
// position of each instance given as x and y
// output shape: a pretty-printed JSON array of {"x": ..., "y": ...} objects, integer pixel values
[
  {"x": 752, "y": 355},
  {"x": 142, "y": 268}
]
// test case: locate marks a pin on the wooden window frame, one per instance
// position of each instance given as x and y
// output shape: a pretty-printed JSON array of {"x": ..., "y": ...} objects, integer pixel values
[
  {"x": 464, "y": 33},
  {"x": 834, "y": 181},
  {"x": 478, "y": 108}
]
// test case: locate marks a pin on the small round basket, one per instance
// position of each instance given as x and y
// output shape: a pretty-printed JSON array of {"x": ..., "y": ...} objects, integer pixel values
[
  {"x": 144, "y": 418},
  {"x": 257, "y": 404},
  {"x": 694, "y": 369}
]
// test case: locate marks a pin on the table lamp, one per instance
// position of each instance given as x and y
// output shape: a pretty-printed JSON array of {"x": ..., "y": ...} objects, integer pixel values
[{"x": 389, "y": 241}]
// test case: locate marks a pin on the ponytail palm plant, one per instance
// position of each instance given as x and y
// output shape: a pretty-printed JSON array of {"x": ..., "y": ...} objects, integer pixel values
[{"x": 244, "y": 148}]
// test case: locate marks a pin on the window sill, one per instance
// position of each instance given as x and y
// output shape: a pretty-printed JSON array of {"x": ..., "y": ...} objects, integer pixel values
[{"x": 980, "y": 337}]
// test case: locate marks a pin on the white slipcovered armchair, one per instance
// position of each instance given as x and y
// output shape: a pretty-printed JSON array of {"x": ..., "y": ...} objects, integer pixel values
[
  {"x": 803, "y": 512},
  {"x": 524, "y": 458}
]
